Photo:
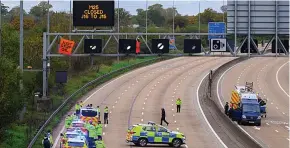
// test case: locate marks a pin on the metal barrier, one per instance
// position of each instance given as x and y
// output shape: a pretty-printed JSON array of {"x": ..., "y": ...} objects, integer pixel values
[{"x": 84, "y": 87}]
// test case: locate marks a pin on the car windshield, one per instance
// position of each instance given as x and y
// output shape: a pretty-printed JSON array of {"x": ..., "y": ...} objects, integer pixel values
[
  {"x": 89, "y": 113},
  {"x": 76, "y": 144},
  {"x": 77, "y": 125},
  {"x": 71, "y": 135},
  {"x": 251, "y": 108}
]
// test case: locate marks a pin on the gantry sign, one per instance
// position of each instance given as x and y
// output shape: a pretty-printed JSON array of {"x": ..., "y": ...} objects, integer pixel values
[{"x": 100, "y": 14}]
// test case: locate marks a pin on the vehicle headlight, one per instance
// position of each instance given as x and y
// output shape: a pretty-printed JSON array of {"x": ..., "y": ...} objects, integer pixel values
[
  {"x": 259, "y": 117},
  {"x": 243, "y": 116}
]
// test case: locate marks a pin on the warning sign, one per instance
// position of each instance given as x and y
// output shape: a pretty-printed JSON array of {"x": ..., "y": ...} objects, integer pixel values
[
  {"x": 66, "y": 46},
  {"x": 93, "y": 13}
]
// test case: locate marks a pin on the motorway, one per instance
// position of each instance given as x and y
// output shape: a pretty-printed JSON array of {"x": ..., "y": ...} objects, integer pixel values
[
  {"x": 271, "y": 81},
  {"x": 138, "y": 96}
]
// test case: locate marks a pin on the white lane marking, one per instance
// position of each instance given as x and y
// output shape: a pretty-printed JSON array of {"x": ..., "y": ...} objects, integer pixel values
[
  {"x": 142, "y": 113},
  {"x": 218, "y": 95},
  {"x": 278, "y": 79},
  {"x": 287, "y": 127},
  {"x": 197, "y": 95},
  {"x": 116, "y": 102},
  {"x": 272, "y": 103},
  {"x": 277, "y": 107},
  {"x": 267, "y": 123},
  {"x": 141, "y": 120},
  {"x": 143, "y": 108},
  {"x": 283, "y": 113},
  {"x": 104, "y": 133},
  {"x": 288, "y": 139},
  {"x": 113, "y": 106},
  {"x": 276, "y": 131},
  {"x": 144, "y": 102}
]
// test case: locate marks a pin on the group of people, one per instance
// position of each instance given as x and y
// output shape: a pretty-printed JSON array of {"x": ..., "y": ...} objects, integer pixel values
[{"x": 163, "y": 114}]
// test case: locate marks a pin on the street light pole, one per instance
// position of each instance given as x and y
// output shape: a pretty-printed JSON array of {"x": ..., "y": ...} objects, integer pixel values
[
  {"x": 199, "y": 17},
  {"x": 146, "y": 19},
  {"x": 0, "y": 27}
]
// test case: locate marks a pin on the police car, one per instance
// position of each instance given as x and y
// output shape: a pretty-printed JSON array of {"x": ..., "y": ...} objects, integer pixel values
[
  {"x": 89, "y": 114},
  {"x": 142, "y": 134}
]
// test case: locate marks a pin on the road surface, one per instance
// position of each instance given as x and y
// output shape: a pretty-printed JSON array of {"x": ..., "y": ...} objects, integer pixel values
[
  {"x": 138, "y": 96},
  {"x": 271, "y": 81}
]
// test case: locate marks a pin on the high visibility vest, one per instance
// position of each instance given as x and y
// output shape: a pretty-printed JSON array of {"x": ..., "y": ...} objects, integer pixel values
[
  {"x": 178, "y": 102},
  {"x": 99, "y": 128},
  {"x": 77, "y": 107},
  {"x": 67, "y": 122},
  {"x": 106, "y": 110},
  {"x": 81, "y": 104},
  {"x": 92, "y": 131},
  {"x": 100, "y": 144}
]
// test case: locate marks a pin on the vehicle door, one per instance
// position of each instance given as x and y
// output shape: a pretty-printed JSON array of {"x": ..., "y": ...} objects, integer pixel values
[
  {"x": 160, "y": 132},
  {"x": 149, "y": 132}
]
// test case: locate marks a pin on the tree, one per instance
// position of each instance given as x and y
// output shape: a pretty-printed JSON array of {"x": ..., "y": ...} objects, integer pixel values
[
  {"x": 28, "y": 22},
  {"x": 10, "y": 94},
  {"x": 141, "y": 17},
  {"x": 41, "y": 9},
  {"x": 179, "y": 21},
  {"x": 15, "y": 11},
  {"x": 4, "y": 9},
  {"x": 155, "y": 14},
  {"x": 125, "y": 17}
]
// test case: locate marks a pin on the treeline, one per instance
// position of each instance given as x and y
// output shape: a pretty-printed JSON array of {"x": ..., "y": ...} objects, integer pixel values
[{"x": 13, "y": 100}]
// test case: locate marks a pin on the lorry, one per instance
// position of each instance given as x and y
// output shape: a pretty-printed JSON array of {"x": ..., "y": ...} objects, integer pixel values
[{"x": 245, "y": 106}]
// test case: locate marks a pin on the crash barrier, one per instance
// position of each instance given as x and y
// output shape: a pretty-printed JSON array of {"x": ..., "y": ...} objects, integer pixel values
[
  {"x": 97, "y": 81},
  {"x": 228, "y": 131}
]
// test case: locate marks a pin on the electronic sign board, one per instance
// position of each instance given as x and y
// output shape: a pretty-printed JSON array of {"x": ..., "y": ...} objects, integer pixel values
[{"x": 93, "y": 13}]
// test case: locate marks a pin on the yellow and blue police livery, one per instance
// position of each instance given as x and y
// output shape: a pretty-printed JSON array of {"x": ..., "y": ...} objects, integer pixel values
[{"x": 142, "y": 134}]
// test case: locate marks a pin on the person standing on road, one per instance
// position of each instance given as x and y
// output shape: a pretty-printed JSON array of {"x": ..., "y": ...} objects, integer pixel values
[
  {"x": 106, "y": 115},
  {"x": 46, "y": 143},
  {"x": 92, "y": 132},
  {"x": 163, "y": 116},
  {"x": 78, "y": 108},
  {"x": 99, "y": 112},
  {"x": 178, "y": 105},
  {"x": 81, "y": 104},
  {"x": 67, "y": 121},
  {"x": 227, "y": 108},
  {"x": 99, "y": 128}
]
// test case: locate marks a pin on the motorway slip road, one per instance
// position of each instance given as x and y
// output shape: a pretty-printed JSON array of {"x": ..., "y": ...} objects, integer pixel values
[
  {"x": 271, "y": 81},
  {"x": 138, "y": 96}
]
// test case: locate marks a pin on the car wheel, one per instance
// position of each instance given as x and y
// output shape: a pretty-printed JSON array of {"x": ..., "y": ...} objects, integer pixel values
[
  {"x": 142, "y": 142},
  {"x": 176, "y": 143}
]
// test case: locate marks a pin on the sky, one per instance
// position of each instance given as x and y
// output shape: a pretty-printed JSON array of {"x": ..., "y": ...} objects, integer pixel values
[{"x": 190, "y": 7}]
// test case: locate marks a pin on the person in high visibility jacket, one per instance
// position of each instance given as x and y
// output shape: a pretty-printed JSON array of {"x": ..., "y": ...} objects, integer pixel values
[
  {"x": 49, "y": 136},
  {"x": 81, "y": 104},
  {"x": 99, "y": 112},
  {"x": 63, "y": 138},
  {"x": 68, "y": 121},
  {"x": 99, "y": 128},
  {"x": 106, "y": 115},
  {"x": 178, "y": 105},
  {"x": 92, "y": 131},
  {"x": 100, "y": 143},
  {"x": 78, "y": 108}
]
